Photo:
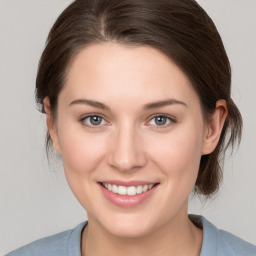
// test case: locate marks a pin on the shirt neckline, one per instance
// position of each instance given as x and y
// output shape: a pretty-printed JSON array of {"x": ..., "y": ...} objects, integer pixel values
[{"x": 209, "y": 243}]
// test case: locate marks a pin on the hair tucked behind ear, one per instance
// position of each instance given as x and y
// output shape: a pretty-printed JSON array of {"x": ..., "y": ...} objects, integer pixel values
[{"x": 181, "y": 29}]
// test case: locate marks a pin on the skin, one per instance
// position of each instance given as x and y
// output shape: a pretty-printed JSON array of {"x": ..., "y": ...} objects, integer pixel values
[{"x": 129, "y": 145}]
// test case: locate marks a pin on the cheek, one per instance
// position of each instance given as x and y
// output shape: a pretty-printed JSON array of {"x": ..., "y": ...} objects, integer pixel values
[
  {"x": 81, "y": 152},
  {"x": 178, "y": 154}
]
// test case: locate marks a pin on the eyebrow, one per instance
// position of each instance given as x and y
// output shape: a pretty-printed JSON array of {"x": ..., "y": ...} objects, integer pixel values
[
  {"x": 164, "y": 103},
  {"x": 148, "y": 106},
  {"x": 92, "y": 103}
]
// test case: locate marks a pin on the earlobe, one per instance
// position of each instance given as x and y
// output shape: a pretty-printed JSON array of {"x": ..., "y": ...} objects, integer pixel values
[
  {"x": 214, "y": 127},
  {"x": 51, "y": 125}
]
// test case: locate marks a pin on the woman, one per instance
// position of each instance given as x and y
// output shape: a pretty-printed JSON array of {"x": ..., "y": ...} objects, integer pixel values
[{"x": 137, "y": 102}]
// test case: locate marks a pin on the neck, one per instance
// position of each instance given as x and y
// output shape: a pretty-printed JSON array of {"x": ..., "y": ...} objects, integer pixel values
[{"x": 178, "y": 237}]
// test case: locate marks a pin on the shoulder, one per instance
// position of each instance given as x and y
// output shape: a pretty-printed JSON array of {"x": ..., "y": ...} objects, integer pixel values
[
  {"x": 52, "y": 245},
  {"x": 235, "y": 244},
  {"x": 61, "y": 244},
  {"x": 217, "y": 242}
]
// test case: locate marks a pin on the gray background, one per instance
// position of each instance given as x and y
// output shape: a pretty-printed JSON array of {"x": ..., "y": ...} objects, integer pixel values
[{"x": 35, "y": 200}]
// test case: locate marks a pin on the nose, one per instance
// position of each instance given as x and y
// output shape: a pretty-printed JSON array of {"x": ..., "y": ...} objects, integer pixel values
[{"x": 127, "y": 152}]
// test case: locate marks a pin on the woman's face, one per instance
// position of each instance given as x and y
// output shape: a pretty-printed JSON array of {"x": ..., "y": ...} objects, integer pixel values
[{"x": 129, "y": 119}]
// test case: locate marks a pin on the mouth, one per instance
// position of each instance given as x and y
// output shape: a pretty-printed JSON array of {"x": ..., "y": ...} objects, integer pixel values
[
  {"x": 128, "y": 190},
  {"x": 128, "y": 194}
]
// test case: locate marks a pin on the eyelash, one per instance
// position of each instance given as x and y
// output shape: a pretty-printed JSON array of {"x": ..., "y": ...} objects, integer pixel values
[
  {"x": 82, "y": 120},
  {"x": 172, "y": 120}
]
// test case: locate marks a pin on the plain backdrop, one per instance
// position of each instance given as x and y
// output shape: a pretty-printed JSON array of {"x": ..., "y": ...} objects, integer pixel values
[{"x": 35, "y": 200}]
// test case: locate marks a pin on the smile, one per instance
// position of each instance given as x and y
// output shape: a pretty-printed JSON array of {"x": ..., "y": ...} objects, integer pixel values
[
  {"x": 128, "y": 194},
  {"x": 127, "y": 191}
]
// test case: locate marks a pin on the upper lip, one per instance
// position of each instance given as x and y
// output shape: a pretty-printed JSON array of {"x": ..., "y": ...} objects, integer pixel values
[{"x": 128, "y": 183}]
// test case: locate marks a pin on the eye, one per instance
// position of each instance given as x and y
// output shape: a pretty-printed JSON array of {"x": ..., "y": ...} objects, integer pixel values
[
  {"x": 93, "y": 120},
  {"x": 161, "y": 120}
]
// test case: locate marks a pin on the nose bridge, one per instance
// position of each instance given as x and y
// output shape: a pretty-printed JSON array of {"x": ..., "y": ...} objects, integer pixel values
[{"x": 127, "y": 149}]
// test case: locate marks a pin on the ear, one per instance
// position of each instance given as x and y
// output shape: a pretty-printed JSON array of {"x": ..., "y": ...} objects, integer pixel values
[
  {"x": 51, "y": 125},
  {"x": 214, "y": 127}
]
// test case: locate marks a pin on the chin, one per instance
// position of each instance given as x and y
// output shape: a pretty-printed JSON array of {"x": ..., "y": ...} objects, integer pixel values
[
  {"x": 129, "y": 226},
  {"x": 130, "y": 231}
]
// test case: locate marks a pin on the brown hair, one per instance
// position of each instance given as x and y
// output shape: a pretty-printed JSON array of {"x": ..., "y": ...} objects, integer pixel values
[{"x": 181, "y": 29}]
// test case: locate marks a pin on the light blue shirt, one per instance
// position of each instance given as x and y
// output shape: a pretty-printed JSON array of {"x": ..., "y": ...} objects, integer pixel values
[{"x": 216, "y": 242}]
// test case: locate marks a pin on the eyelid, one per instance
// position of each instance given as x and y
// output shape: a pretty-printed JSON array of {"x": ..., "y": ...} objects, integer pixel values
[
  {"x": 172, "y": 119},
  {"x": 82, "y": 120}
]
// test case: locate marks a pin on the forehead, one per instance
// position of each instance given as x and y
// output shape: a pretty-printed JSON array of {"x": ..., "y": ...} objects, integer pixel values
[{"x": 112, "y": 71}]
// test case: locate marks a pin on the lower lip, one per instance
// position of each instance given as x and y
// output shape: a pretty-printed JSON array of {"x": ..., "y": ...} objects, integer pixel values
[{"x": 127, "y": 201}]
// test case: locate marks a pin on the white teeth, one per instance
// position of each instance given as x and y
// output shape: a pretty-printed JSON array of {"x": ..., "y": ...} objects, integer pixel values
[
  {"x": 122, "y": 190},
  {"x": 130, "y": 191},
  {"x": 139, "y": 190},
  {"x": 114, "y": 188},
  {"x": 145, "y": 188}
]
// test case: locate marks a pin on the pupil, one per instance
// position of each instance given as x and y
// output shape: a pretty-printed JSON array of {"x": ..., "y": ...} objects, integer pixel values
[
  {"x": 95, "y": 120},
  {"x": 161, "y": 120}
]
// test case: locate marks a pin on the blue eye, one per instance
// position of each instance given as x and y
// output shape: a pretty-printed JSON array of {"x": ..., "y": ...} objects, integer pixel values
[
  {"x": 161, "y": 120},
  {"x": 94, "y": 120}
]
